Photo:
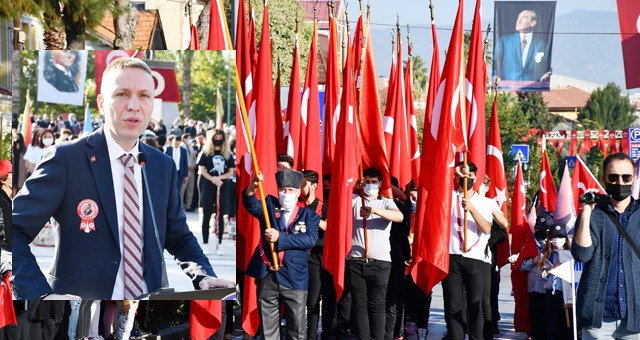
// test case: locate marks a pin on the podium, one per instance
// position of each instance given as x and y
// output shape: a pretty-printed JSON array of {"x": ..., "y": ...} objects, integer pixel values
[{"x": 209, "y": 294}]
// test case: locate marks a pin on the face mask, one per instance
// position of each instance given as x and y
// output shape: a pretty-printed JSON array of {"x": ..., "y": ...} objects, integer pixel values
[
  {"x": 371, "y": 189},
  {"x": 618, "y": 192},
  {"x": 218, "y": 142},
  {"x": 469, "y": 182},
  {"x": 288, "y": 201},
  {"x": 558, "y": 242},
  {"x": 47, "y": 141}
]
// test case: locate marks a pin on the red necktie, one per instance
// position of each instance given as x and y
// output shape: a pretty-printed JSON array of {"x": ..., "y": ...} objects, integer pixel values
[{"x": 132, "y": 231}]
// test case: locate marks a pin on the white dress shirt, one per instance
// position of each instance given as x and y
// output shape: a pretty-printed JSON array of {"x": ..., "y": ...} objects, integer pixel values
[
  {"x": 527, "y": 37},
  {"x": 176, "y": 157},
  {"x": 117, "y": 173}
]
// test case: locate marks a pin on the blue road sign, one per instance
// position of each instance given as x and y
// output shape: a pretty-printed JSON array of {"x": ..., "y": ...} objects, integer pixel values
[
  {"x": 520, "y": 152},
  {"x": 571, "y": 161},
  {"x": 634, "y": 143}
]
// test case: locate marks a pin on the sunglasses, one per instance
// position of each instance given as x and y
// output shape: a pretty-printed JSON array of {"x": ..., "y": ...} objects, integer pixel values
[{"x": 626, "y": 178}]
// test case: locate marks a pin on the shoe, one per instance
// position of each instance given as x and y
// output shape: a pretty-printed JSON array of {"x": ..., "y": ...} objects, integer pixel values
[
  {"x": 219, "y": 250},
  {"x": 422, "y": 333}
]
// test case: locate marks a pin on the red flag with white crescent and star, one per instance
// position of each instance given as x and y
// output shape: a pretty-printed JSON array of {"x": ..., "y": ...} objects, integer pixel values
[
  {"x": 629, "y": 17},
  {"x": 548, "y": 192}
]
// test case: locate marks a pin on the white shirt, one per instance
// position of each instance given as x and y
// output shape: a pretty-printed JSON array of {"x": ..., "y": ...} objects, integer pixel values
[
  {"x": 378, "y": 229},
  {"x": 176, "y": 157},
  {"x": 476, "y": 239},
  {"x": 527, "y": 37},
  {"x": 117, "y": 173},
  {"x": 34, "y": 155}
]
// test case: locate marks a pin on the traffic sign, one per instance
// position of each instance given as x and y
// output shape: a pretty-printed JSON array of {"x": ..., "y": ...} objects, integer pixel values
[
  {"x": 520, "y": 152},
  {"x": 634, "y": 143},
  {"x": 571, "y": 161}
]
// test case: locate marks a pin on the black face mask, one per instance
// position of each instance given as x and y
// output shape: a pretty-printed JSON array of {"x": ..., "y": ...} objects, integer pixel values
[
  {"x": 218, "y": 142},
  {"x": 469, "y": 182},
  {"x": 618, "y": 192}
]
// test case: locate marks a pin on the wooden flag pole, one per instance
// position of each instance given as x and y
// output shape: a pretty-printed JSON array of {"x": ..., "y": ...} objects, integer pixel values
[{"x": 256, "y": 169}]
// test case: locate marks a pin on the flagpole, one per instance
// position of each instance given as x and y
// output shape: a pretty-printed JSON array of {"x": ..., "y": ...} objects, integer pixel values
[
  {"x": 573, "y": 298},
  {"x": 256, "y": 169}
]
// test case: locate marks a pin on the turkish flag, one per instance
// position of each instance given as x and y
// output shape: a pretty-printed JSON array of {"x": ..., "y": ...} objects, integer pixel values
[
  {"x": 281, "y": 139},
  {"x": 582, "y": 180},
  {"x": 27, "y": 130},
  {"x": 356, "y": 50},
  {"x": 625, "y": 141},
  {"x": 194, "y": 44},
  {"x": 395, "y": 126},
  {"x": 561, "y": 142},
  {"x": 565, "y": 211},
  {"x": 374, "y": 153},
  {"x": 548, "y": 193},
  {"x": 414, "y": 146},
  {"x": 573, "y": 147},
  {"x": 244, "y": 60},
  {"x": 219, "y": 38},
  {"x": 311, "y": 159},
  {"x": 495, "y": 170},
  {"x": 435, "y": 214},
  {"x": 205, "y": 318},
  {"x": 629, "y": 17},
  {"x": 344, "y": 174},
  {"x": 614, "y": 146},
  {"x": 331, "y": 98},
  {"x": 7, "y": 314},
  {"x": 603, "y": 145},
  {"x": 476, "y": 97},
  {"x": 520, "y": 236},
  {"x": 252, "y": 37},
  {"x": 421, "y": 269},
  {"x": 294, "y": 118}
]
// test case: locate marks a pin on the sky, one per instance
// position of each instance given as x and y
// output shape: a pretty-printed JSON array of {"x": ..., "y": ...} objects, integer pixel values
[{"x": 417, "y": 11}]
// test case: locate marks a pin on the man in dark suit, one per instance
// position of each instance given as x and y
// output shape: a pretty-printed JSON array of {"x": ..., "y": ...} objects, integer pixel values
[
  {"x": 523, "y": 55},
  {"x": 106, "y": 245},
  {"x": 294, "y": 232},
  {"x": 179, "y": 156}
]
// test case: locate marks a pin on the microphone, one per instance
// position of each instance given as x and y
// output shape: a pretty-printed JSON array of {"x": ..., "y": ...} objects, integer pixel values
[{"x": 142, "y": 160}]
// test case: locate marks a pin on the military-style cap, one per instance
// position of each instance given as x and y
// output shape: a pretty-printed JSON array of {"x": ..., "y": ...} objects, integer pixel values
[
  {"x": 288, "y": 178},
  {"x": 544, "y": 221},
  {"x": 558, "y": 230}
]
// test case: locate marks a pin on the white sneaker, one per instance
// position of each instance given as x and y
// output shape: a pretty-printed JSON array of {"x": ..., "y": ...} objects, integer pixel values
[{"x": 422, "y": 334}]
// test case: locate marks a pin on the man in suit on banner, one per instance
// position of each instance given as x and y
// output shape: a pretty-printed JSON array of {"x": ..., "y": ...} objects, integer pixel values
[
  {"x": 93, "y": 187},
  {"x": 523, "y": 55}
]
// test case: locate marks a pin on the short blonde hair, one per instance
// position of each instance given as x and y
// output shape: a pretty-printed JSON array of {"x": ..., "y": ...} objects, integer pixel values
[{"x": 123, "y": 63}]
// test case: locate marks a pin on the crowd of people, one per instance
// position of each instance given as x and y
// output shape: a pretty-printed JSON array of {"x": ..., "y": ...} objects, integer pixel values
[{"x": 381, "y": 299}]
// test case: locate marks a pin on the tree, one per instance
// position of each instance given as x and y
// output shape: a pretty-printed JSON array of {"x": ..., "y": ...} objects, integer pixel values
[
  {"x": 607, "y": 108},
  {"x": 186, "y": 84},
  {"x": 420, "y": 76},
  {"x": 536, "y": 110},
  {"x": 282, "y": 14},
  {"x": 124, "y": 23},
  {"x": 79, "y": 16}
]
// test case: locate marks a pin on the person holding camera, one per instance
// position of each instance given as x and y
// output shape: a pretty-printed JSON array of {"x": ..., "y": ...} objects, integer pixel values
[{"x": 606, "y": 241}]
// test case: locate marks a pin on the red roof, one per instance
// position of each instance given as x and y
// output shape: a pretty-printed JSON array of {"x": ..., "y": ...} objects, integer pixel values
[
  {"x": 147, "y": 22},
  {"x": 5, "y": 91},
  {"x": 323, "y": 11},
  {"x": 566, "y": 98}
]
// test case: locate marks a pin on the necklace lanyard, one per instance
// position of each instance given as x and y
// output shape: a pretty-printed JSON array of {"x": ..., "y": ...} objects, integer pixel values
[{"x": 461, "y": 223}]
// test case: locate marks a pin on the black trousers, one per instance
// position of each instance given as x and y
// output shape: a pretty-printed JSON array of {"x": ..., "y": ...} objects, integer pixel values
[
  {"x": 270, "y": 295},
  {"x": 470, "y": 275},
  {"x": 336, "y": 317},
  {"x": 208, "y": 199},
  {"x": 368, "y": 290},
  {"x": 320, "y": 287},
  {"x": 394, "y": 301},
  {"x": 537, "y": 312},
  {"x": 556, "y": 318},
  {"x": 487, "y": 307},
  {"x": 418, "y": 305}
]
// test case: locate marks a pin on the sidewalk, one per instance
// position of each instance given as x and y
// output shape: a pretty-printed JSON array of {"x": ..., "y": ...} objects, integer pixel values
[{"x": 224, "y": 265}]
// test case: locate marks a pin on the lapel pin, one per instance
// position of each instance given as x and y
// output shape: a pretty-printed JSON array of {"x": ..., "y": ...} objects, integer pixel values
[{"x": 93, "y": 159}]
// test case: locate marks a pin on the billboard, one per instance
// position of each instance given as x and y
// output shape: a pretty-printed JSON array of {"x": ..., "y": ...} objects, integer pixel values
[{"x": 523, "y": 38}]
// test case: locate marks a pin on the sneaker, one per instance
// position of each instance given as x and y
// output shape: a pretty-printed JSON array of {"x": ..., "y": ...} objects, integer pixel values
[{"x": 422, "y": 333}]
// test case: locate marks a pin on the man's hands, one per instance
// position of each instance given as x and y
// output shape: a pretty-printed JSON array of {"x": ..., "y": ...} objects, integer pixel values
[
  {"x": 253, "y": 184},
  {"x": 211, "y": 282},
  {"x": 365, "y": 212},
  {"x": 272, "y": 235}
]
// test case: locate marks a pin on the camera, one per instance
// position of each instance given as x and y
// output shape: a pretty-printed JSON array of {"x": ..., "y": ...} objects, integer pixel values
[{"x": 592, "y": 197}]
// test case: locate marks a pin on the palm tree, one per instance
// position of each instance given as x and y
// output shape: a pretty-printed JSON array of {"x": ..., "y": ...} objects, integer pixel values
[{"x": 420, "y": 76}]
